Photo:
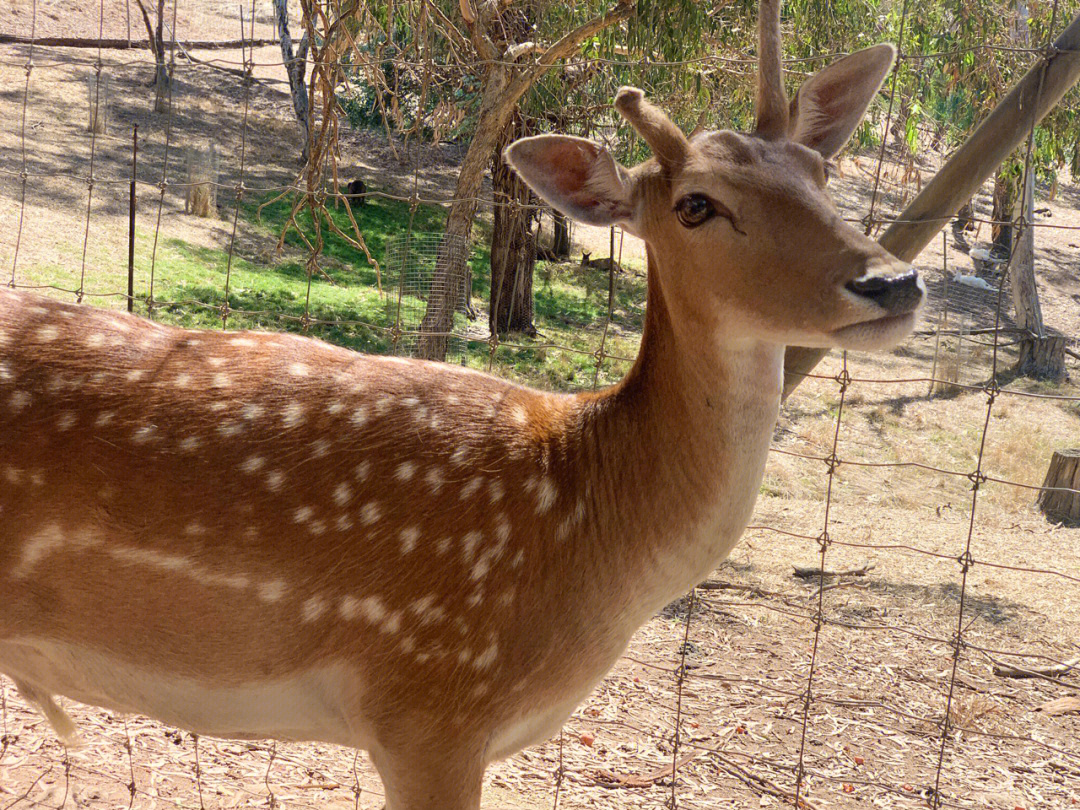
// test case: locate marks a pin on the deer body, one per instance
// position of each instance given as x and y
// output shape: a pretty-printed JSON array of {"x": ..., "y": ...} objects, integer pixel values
[
  {"x": 260, "y": 518},
  {"x": 263, "y": 535}
]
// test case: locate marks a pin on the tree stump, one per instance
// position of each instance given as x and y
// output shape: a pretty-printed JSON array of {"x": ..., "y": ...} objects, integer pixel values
[
  {"x": 200, "y": 198},
  {"x": 1042, "y": 358},
  {"x": 1063, "y": 474}
]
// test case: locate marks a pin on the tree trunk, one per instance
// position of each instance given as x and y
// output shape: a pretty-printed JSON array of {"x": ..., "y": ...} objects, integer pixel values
[
  {"x": 1004, "y": 197},
  {"x": 513, "y": 243},
  {"x": 1063, "y": 474},
  {"x": 561, "y": 246},
  {"x": 448, "y": 285},
  {"x": 295, "y": 67},
  {"x": 1042, "y": 357},
  {"x": 1022, "y": 269}
]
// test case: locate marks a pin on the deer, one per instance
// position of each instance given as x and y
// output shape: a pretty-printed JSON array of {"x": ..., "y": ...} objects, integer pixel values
[
  {"x": 600, "y": 264},
  {"x": 258, "y": 535}
]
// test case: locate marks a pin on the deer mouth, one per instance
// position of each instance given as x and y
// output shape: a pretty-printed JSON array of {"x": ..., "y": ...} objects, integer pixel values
[{"x": 876, "y": 333}]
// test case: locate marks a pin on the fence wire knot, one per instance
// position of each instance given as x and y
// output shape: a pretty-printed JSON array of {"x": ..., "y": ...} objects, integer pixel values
[
  {"x": 823, "y": 540},
  {"x": 29, "y": 67},
  {"x": 977, "y": 479},
  {"x": 992, "y": 390},
  {"x": 831, "y": 463},
  {"x": 966, "y": 560}
]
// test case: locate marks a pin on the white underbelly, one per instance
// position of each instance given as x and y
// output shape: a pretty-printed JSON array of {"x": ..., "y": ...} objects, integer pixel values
[{"x": 310, "y": 705}]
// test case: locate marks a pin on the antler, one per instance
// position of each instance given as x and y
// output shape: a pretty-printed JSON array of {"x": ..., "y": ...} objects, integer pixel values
[
  {"x": 666, "y": 140},
  {"x": 772, "y": 102}
]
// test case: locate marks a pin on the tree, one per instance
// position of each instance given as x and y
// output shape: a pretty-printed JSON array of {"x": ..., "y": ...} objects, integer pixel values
[
  {"x": 295, "y": 65},
  {"x": 513, "y": 242},
  {"x": 156, "y": 36},
  {"x": 510, "y": 70}
]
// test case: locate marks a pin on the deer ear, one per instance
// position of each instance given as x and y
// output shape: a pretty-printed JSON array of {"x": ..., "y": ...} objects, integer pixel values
[
  {"x": 831, "y": 104},
  {"x": 576, "y": 176}
]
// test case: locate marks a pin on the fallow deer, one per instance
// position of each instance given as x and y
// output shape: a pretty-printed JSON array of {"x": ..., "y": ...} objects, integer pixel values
[{"x": 262, "y": 535}]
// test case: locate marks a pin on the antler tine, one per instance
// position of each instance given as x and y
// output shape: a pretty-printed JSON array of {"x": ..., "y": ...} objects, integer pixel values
[
  {"x": 772, "y": 102},
  {"x": 666, "y": 140}
]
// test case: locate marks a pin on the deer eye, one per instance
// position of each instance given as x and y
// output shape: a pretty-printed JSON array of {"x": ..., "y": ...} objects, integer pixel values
[{"x": 694, "y": 209}]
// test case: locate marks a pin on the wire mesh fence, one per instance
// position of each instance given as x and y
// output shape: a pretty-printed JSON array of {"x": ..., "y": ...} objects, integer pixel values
[{"x": 912, "y": 658}]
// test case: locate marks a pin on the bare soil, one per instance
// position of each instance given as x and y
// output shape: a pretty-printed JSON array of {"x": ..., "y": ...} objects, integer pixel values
[{"x": 883, "y": 661}]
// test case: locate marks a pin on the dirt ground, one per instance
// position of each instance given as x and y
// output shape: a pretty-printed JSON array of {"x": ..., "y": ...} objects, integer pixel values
[{"x": 883, "y": 662}]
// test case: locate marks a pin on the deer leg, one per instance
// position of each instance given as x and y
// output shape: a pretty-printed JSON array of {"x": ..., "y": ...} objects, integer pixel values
[{"x": 425, "y": 778}]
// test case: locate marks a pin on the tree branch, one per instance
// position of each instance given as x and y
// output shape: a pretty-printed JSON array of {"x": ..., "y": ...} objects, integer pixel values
[
  {"x": 569, "y": 42},
  {"x": 485, "y": 48},
  {"x": 451, "y": 31}
]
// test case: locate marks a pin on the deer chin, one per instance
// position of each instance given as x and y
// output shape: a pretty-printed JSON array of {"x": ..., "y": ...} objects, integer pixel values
[{"x": 875, "y": 334}]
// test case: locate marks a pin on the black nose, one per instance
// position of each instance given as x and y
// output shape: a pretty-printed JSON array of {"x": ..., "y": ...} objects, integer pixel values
[{"x": 894, "y": 294}]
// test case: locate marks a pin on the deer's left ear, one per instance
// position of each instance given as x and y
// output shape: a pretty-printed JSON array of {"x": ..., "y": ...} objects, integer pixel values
[
  {"x": 831, "y": 104},
  {"x": 576, "y": 176}
]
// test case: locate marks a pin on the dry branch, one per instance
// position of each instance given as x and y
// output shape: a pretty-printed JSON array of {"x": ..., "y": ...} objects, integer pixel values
[
  {"x": 1055, "y": 671},
  {"x": 812, "y": 573}
]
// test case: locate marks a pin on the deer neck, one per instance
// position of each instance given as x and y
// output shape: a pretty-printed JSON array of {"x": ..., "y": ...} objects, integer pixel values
[{"x": 681, "y": 445}]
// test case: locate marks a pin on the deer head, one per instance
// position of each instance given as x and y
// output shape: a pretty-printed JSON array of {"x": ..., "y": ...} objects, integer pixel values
[{"x": 742, "y": 235}]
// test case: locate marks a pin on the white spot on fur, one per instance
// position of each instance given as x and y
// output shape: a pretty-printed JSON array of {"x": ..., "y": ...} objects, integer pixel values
[
  {"x": 252, "y": 464},
  {"x": 369, "y": 513},
  {"x": 519, "y": 414},
  {"x": 252, "y": 411},
  {"x": 182, "y": 380},
  {"x": 471, "y": 487},
  {"x": 359, "y": 415},
  {"x": 144, "y": 434},
  {"x": 363, "y": 469},
  {"x": 443, "y": 545},
  {"x": 468, "y": 545},
  {"x": 219, "y": 380},
  {"x": 349, "y": 607},
  {"x": 303, "y": 514},
  {"x": 495, "y": 490},
  {"x": 246, "y": 342},
  {"x": 479, "y": 571},
  {"x": 434, "y": 478},
  {"x": 18, "y": 401},
  {"x": 487, "y": 657},
  {"x": 66, "y": 421},
  {"x": 292, "y": 414},
  {"x": 518, "y": 559},
  {"x": 459, "y": 456},
  {"x": 405, "y": 471},
  {"x": 342, "y": 493},
  {"x": 230, "y": 428},
  {"x": 320, "y": 447},
  {"x": 334, "y": 407},
  {"x": 298, "y": 370},
  {"x": 190, "y": 444},
  {"x": 313, "y": 608},
  {"x": 409, "y": 536},
  {"x": 343, "y": 523},
  {"x": 272, "y": 591},
  {"x": 545, "y": 495},
  {"x": 274, "y": 480},
  {"x": 372, "y": 609},
  {"x": 216, "y": 362},
  {"x": 194, "y": 529},
  {"x": 12, "y": 474},
  {"x": 135, "y": 375},
  {"x": 47, "y": 333}
]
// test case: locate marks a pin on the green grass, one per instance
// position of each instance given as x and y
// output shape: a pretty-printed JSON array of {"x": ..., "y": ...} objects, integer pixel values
[{"x": 274, "y": 292}]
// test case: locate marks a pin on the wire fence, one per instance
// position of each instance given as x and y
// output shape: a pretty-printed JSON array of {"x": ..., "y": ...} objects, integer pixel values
[{"x": 914, "y": 657}]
